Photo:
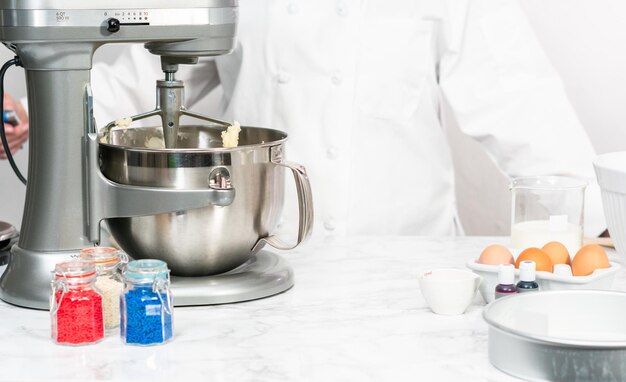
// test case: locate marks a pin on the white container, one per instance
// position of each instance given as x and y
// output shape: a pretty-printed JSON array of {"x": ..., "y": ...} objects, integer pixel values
[
  {"x": 611, "y": 173},
  {"x": 448, "y": 291},
  {"x": 600, "y": 279},
  {"x": 545, "y": 209}
]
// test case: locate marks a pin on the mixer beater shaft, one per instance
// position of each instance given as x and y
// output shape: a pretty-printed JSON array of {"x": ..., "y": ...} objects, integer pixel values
[{"x": 170, "y": 99}]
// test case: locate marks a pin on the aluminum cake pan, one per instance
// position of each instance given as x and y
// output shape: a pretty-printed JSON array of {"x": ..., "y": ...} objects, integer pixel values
[{"x": 575, "y": 335}]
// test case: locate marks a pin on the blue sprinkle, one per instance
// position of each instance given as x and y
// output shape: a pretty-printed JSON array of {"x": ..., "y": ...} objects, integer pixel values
[{"x": 144, "y": 319}]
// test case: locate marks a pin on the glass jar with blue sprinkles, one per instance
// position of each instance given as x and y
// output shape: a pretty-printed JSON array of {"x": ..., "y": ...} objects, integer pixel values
[{"x": 146, "y": 304}]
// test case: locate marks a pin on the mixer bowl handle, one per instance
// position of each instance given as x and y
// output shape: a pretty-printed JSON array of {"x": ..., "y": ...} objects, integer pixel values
[{"x": 305, "y": 204}]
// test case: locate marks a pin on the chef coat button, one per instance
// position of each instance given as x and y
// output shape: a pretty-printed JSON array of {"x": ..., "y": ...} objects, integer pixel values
[
  {"x": 283, "y": 78},
  {"x": 281, "y": 221},
  {"x": 293, "y": 9},
  {"x": 337, "y": 78},
  {"x": 342, "y": 8},
  {"x": 330, "y": 224},
  {"x": 332, "y": 152}
]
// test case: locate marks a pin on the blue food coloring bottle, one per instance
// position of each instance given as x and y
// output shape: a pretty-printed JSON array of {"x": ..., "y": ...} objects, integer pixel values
[
  {"x": 146, "y": 304},
  {"x": 527, "y": 276}
]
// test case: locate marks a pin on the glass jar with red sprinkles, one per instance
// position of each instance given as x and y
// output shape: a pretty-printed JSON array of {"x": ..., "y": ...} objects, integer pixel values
[{"x": 75, "y": 304}]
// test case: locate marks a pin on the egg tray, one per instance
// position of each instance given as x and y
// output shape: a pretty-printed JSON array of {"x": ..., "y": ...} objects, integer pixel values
[{"x": 600, "y": 279}]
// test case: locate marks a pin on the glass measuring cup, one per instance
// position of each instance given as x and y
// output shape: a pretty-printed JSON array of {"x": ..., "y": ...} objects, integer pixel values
[{"x": 545, "y": 209}]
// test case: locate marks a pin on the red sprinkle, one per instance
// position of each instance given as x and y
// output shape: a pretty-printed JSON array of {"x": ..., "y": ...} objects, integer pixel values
[{"x": 79, "y": 317}]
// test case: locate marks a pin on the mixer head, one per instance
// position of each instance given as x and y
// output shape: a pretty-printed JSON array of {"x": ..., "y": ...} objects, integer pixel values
[{"x": 182, "y": 28}]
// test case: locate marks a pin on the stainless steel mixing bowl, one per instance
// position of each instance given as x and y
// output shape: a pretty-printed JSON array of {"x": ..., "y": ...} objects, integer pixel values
[{"x": 212, "y": 239}]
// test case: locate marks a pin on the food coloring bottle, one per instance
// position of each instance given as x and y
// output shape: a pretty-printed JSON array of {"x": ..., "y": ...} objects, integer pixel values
[
  {"x": 146, "y": 304},
  {"x": 506, "y": 281},
  {"x": 527, "y": 281}
]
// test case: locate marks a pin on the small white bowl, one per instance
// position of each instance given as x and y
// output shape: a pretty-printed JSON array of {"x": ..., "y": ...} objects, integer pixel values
[{"x": 449, "y": 291}]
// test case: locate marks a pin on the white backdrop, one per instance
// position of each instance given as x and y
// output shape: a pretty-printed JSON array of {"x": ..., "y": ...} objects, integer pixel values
[{"x": 586, "y": 41}]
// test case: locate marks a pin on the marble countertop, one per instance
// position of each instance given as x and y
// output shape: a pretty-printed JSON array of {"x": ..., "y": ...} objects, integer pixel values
[{"x": 355, "y": 314}]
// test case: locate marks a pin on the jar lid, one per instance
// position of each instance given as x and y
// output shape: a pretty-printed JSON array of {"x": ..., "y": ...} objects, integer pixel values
[
  {"x": 147, "y": 269},
  {"x": 74, "y": 269},
  {"x": 100, "y": 255}
]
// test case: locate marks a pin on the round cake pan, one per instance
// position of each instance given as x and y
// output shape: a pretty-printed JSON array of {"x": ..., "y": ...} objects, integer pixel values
[{"x": 559, "y": 336}]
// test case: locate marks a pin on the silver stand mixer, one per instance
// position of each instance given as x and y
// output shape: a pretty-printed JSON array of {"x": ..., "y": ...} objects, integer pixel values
[{"x": 71, "y": 186}]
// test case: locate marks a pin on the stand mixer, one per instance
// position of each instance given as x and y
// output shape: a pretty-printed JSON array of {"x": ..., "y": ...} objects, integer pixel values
[{"x": 68, "y": 194}]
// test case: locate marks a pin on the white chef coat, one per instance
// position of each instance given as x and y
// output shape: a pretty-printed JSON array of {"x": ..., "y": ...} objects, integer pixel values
[{"x": 357, "y": 85}]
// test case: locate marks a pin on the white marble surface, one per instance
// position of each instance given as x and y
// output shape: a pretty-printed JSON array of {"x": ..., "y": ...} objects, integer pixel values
[{"x": 355, "y": 314}]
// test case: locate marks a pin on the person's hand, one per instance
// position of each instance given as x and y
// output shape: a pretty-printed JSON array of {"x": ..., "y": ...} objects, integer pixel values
[{"x": 16, "y": 135}]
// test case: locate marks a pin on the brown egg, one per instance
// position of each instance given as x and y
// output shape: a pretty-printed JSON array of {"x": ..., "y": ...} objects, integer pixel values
[
  {"x": 541, "y": 259},
  {"x": 557, "y": 252},
  {"x": 588, "y": 259},
  {"x": 496, "y": 254}
]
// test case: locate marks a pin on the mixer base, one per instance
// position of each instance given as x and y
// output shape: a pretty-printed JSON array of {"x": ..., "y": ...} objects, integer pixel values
[{"x": 265, "y": 274}]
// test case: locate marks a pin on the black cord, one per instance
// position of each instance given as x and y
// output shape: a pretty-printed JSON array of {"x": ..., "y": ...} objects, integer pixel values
[{"x": 3, "y": 135}]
